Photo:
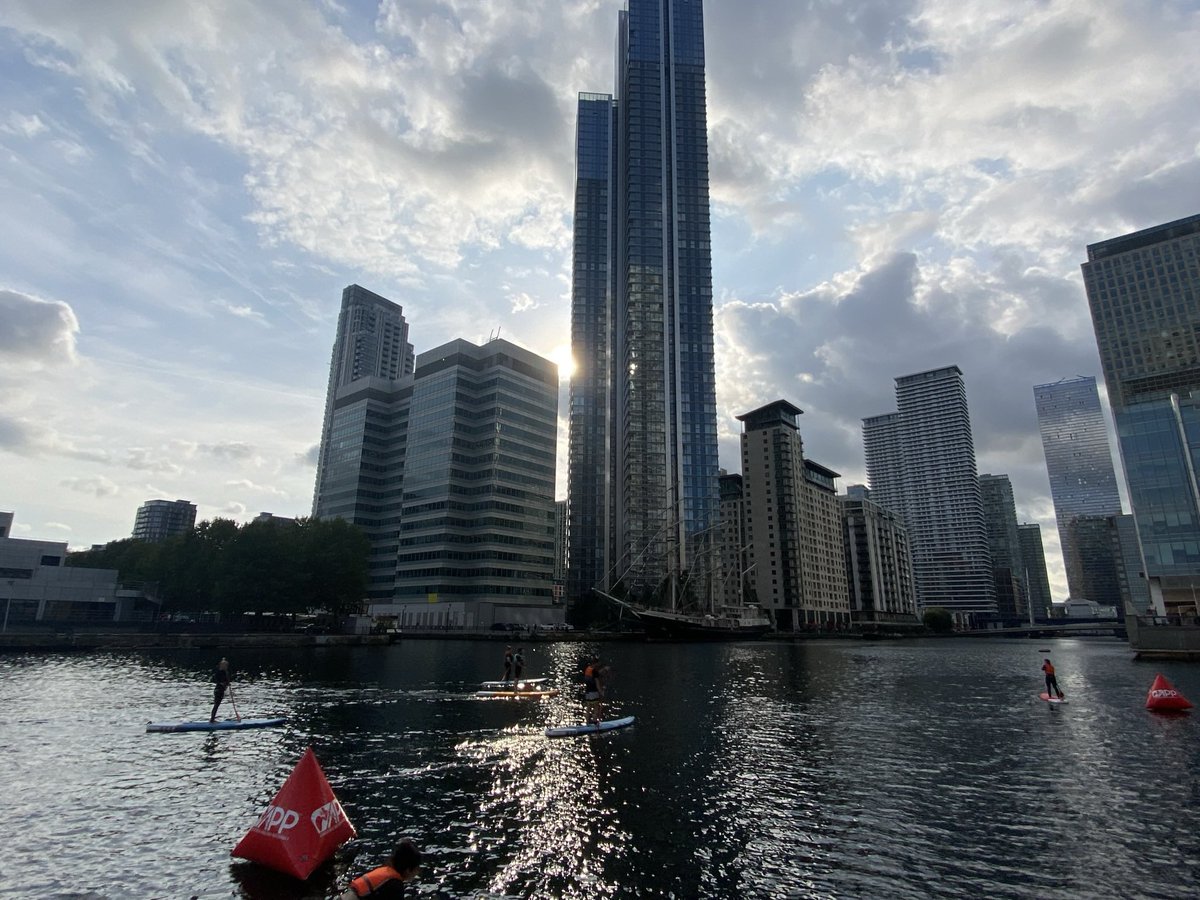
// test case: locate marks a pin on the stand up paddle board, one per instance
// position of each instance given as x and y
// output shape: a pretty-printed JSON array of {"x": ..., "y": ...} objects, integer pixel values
[
  {"x": 224, "y": 725},
  {"x": 532, "y": 695},
  {"x": 508, "y": 685},
  {"x": 1044, "y": 696},
  {"x": 574, "y": 730}
]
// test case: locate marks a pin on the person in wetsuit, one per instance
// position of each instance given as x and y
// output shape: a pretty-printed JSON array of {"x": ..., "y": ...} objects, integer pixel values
[
  {"x": 1052, "y": 687},
  {"x": 387, "y": 881},
  {"x": 508, "y": 663},
  {"x": 518, "y": 663},
  {"x": 593, "y": 691},
  {"x": 221, "y": 681}
]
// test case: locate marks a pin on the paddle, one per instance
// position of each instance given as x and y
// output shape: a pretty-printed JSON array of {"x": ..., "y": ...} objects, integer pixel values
[{"x": 234, "y": 702}]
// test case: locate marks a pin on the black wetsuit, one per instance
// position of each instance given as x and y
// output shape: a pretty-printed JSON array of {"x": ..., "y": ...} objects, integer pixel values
[{"x": 221, "y": 680}]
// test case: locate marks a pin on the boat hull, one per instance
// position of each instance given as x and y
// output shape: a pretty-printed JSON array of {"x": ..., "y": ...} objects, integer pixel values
[
  {"x": 682, "y": 627},
  {"x": 1163, "y": 637}
]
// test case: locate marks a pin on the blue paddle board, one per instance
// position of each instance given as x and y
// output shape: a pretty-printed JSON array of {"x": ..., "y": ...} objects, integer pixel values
[
  {"x": 574, "y": 730},
  {"x": 224, "y": 725}
]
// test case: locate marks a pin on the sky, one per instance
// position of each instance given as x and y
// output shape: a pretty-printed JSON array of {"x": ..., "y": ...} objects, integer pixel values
[{"x": 185, "y": 189}]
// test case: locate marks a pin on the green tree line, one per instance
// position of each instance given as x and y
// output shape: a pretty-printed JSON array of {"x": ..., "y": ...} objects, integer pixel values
[{"x": 261, "y": 567}]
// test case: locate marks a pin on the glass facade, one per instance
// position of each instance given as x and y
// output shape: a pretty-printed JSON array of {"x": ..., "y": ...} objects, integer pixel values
[
  {"x": 1083, "y": 481},
  {"x": 921, "y": 465},
  {"x": 663, "y": 491},
  {"x": 589, "y": 462},
  {"x": 1144, "y": 293},
  {"x": 1033, "y": 558},
  {"x": 1008, "y": 569}
]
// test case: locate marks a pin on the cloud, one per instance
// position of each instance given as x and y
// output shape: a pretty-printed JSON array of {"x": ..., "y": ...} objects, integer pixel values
[
  {"x": 36, "y": 332},
  {"x": 23, "y": 126},
  {"x": 310, "y": 457},
  {"x": 248, "y": 485},
  {"x": 145, "y": 460},
  {"x": 98, "y": 486},
  {"x": 229, "y": 450}
]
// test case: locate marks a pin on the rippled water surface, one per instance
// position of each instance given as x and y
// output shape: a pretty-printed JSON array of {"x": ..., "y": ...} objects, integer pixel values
[{"x": 922, "y": 769}]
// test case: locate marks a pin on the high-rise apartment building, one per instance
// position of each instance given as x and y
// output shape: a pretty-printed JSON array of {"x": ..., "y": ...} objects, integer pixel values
[
  {"x": 157, "y": 520},
  {"x": 878, "y": 563},
  {"x": 371, "y": 342},
  {"x": 793, "y": 524},
  {"x": 921, "y": 465},
  {"x": 1008, "y": 569},
  {"x": 734, "y": 544},
  {"x": 1144, "y": 292},
  {"x": 643, "y": 481},
  {"x": 1033, "y": 558},
  {"x": 1079, "y": 462}
]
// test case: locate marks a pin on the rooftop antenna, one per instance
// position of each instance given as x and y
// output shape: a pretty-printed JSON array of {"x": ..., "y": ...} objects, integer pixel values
[{"x": 494, "y": 335}]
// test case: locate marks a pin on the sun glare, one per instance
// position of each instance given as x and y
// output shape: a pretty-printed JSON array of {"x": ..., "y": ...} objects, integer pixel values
[{"x": 561, "y": 356}]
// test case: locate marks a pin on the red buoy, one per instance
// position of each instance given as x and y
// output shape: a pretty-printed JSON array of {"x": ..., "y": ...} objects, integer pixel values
[
  {"x": 1164, "y": 698},
  {"x": 302, "y": 827}
]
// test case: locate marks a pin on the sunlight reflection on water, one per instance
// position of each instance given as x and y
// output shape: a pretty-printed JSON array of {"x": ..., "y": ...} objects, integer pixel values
[{"x": 754, "y": 770}]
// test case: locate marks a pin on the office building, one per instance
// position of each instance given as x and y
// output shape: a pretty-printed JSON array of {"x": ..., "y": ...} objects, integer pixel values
[
  {"x": 878, "y": 564},
  {"x": 1083, "y": 481},
  {"x": 450, "y": 473},
  {"x": 643, "y": 472},
  {"x": 37, "y": 586},
  {"x": 1008, "y": 570},
  {"x": 1144, "y": 293},
  {"x": 560, "y": 549},
  {"x": 371, "y": 342},
  {"x": 921, "y": 466},
  {"x": 158, "y": 520},
  {"x": 1037, "y": 582},
  {"x": 793, "y": 525}
]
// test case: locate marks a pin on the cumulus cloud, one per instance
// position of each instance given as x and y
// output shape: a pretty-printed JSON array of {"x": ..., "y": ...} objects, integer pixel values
[
  {"x": 98, "y": 486},
  {"x": 229, "y": 450},
  {"x": 309, "y": 457},
  {"x": 36, "y": 332}
]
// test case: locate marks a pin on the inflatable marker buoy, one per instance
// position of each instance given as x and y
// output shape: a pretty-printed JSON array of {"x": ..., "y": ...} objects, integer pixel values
[
  {"x": 1164, "y": 698},
  {"x": 302, "y": 827}
]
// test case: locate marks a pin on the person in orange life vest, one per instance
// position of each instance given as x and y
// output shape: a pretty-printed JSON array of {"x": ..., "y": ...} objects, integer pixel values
[
  {"x": 1052, "y": 687},
  {"x": 221, "y": 680},
  {"x": 387, "y": 881}
]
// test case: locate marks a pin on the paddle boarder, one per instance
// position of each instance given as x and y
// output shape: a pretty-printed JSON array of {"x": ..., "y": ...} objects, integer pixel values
[
  {"x": 387, "y": 881},
  {"x": 221, "y": 680},
  {"x": 1052, "y": 688},
  {"x": 593, "y": 691},
  {"x": 518, "y": 663},
  {"x": 508, "y": 664}
]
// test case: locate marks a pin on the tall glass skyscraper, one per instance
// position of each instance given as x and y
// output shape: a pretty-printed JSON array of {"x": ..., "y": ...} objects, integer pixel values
[
  {"x": 1144, "y": 293},
  {"x": 1083, "y": 481},
  {"x": 1033, "y": 558},
  {"x": 921, "y": 465},
  {"x": 644, "y": 490}
]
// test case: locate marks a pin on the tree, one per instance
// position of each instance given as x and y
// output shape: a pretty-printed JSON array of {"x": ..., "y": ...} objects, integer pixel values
[{"x": 938, "y": 620}]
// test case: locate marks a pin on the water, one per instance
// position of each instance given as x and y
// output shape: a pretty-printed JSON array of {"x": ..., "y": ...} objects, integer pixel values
[{"x": 828, "y": 769}]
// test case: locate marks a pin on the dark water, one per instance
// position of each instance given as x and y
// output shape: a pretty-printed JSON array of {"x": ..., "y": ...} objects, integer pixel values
[{"x": 924, "y": 769}]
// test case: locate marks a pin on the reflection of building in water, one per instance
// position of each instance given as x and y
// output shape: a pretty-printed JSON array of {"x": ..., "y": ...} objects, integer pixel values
[
  {"x": 878, "y": 563},
  {"x": 37, "y": 586}
]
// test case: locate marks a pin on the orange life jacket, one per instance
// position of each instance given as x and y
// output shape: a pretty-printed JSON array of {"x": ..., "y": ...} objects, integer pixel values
[
  {"x": 1048, "y": 668},
  {"x": 366, "y": 885}
]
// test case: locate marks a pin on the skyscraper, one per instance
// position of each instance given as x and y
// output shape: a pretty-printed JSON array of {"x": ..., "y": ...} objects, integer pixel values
[
  {"x": 1033, "y": 558},
  {"x": 1008, "y": 570},
  {"x": 1144, "y": 293},
  {"x": 371, "y": 342},
  {"x": 1083, "y": 481},
  {"x": 878, "y": 563},
  {"x": 643, "y": 484},
  {"x": 921, "y": 465}
]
